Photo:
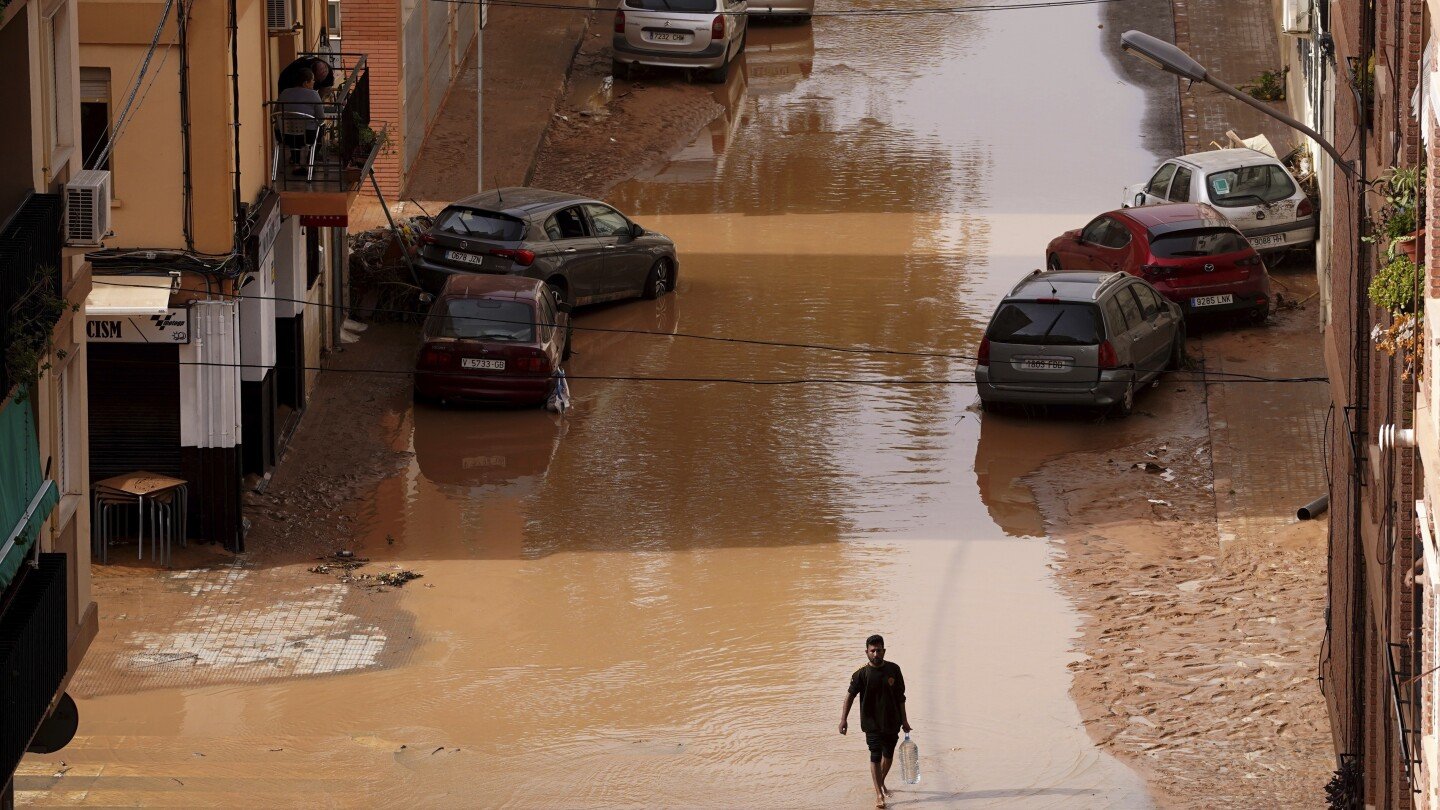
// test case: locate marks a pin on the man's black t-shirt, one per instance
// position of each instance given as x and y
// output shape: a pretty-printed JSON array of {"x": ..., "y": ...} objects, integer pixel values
[{"x": 882, "y": 697}]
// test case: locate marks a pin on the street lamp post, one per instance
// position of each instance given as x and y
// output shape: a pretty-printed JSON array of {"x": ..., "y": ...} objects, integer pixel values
[{"x": 1171, "y": 59}]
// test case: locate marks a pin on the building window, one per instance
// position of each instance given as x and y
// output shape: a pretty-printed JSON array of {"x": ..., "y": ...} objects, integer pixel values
[
  {"x": 60, "y": 76},
  {"x": 68, "y": 472},
  {"x": 332, "y": 24},
  {"x": 94, "y": 115}
]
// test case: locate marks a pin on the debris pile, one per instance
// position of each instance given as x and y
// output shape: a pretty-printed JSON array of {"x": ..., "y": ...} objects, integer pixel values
[
  {"x": 345, "y": 563},
  {"x": 380, "y": 280}
]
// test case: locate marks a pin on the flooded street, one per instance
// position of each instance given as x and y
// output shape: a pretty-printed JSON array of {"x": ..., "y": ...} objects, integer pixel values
[{"x": 657, "y": 600}]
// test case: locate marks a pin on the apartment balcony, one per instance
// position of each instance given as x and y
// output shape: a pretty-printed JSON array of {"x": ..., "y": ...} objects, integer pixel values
[
  {"x": 33, "y": 654},
  {"x": 321, "y": 154},
  {"x": 30, "y": 273}
]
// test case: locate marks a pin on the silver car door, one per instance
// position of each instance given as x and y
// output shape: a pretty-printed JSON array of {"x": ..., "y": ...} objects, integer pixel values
[
  {"x": 1155, "y": 337},
  {"x": 1158, "y": 189}
]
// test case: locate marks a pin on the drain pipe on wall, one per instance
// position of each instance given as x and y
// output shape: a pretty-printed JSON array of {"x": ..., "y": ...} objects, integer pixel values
[{"x": 232, "y": 24}]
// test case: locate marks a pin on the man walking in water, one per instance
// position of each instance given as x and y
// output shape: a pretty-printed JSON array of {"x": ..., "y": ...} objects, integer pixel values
[{"x": 882, "y": 711}]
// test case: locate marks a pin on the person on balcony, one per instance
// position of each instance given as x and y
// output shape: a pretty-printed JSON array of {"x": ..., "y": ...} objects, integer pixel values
[
  {"x": 320, "y": 72},
  {"x": 301, "y": 103}
]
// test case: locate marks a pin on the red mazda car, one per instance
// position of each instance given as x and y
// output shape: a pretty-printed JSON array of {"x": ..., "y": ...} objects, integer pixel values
[
  {"x": 1189, "y": 251},
  {"x": 492, "y": 338}
]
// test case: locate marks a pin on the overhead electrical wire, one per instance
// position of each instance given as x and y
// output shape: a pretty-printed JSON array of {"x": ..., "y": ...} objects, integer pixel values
[
  {"x": 127, "y": 110},
  {"x": 1223, "y": 376}
]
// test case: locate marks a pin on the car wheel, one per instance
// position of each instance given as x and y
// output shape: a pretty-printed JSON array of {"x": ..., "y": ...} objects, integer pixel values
[
  {"x": 658, "y": 282},
  {"x": 558, "y": 286},
  {"x": 422, "y": 399},
  {"x": 1177, "y": 349},
  {"x": 1258, "y": 315},
  {"x": 620, "y": 70},
  {"x": 719, "y": 74},
  {"x": 1126, "y": 405},
  {"x": 1053, "y": 263}
]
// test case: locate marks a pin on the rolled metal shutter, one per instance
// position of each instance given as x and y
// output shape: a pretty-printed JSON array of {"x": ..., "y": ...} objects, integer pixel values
[{"x": 134, "y": 409}]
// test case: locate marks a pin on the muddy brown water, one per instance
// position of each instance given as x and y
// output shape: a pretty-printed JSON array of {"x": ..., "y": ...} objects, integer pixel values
[{"x": 657, "y": 600}]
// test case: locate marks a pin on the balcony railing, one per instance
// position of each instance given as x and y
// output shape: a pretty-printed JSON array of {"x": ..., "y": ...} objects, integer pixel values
[
  {"x": 326, "y": 148},
  {"x": 33, "y": 654},
  {"x": 30, "y": 243}
]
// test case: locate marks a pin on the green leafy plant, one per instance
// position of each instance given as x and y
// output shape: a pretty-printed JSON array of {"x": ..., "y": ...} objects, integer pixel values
[
  {"x": 1268, "y": 86},
  {"x": 30, "y": 340},
  {"x": 1393, "y": 288},
  {"x": 369, "y": 137}
]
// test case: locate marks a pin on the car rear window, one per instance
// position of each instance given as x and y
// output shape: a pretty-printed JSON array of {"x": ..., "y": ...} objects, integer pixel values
[
  {"x": 687, "y": 6},
  {"x": 1043, "y": 323},
  {"x": 1249, "y": 185},
  {"x": 481, "y": 224},
  {"x": 482, "y": 319},
  {"x": 1197, "y": 242}
]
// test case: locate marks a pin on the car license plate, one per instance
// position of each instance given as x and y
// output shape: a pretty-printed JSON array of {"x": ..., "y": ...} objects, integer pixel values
[
  {"x": 1212, "y": 300},
  {"x": 673, "y": 36},
  {"x": 492, "y": 365},
  {"x": 1267, "y": 241},
  {"x": 1044, "y": 365},
  {"x": 468, "y": 258}
]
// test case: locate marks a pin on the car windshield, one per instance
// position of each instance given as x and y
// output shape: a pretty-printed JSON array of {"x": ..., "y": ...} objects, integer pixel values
[
  {"x": 687, "y": 6},
  {"x": 1249, "y": 185},
  {"x": 1197, "y": 242},
  {"x": 482, "y": 319},
  {"x": 481, "y": 224},
  {"x": 1041, "y": 323}
]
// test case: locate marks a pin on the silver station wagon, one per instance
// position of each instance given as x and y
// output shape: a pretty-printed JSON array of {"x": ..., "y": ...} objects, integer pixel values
[
  {"x": 1078, "y": 338},
  {"x": 703, "y": 34}
]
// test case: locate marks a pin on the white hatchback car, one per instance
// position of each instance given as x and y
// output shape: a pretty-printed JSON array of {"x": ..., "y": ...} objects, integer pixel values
[
  {"x": 1253, "y": 190},
  {"x": 705, "y": 34}
]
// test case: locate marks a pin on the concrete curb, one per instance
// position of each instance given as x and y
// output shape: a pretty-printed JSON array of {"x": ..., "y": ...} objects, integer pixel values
[{"x": 560, "y": 99}]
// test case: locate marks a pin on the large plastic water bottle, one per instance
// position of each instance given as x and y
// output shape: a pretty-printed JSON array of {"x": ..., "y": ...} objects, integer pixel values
[{"x": 909, "y": 755}]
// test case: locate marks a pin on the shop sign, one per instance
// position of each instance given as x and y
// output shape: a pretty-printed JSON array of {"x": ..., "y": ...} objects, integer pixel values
[{"x": 172, "y": 327}]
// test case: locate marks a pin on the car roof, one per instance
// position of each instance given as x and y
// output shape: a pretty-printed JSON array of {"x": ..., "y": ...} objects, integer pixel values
[
  {"x": 1065, "y": 285},
  {"x": 518, "y": 201},
  {"x": 488, "y": 285},
  {"x": 1158, "y": 219},
  {"x": 1226, "y": 159}
]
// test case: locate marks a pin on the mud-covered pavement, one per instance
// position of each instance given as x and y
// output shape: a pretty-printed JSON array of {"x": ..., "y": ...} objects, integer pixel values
[{"x": 657, "y": 599}]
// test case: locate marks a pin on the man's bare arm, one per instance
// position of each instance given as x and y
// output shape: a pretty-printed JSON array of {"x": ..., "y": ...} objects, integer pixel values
[{"x": 845, "y": 715}]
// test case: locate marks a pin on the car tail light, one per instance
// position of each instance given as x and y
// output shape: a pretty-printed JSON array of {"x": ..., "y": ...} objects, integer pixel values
[
  {"x": 717, "y": 27},
  {"x": 533, "y": 365},
  {"x": 619, "y": 22},
  {"x": 1305, "y": 208},
  {"x": 984, "y": 358},
  {"x": 426, "y": 239},
  {"x": 1155, "y": 272},
  {"x": 520, "y": 257},
  {"x": 1108, "y": 360},
  {"x": 436, "y": 357}
]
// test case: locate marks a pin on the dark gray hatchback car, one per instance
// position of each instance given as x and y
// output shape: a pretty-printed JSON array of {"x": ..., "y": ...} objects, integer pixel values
[{"x": 585, "y": 249}]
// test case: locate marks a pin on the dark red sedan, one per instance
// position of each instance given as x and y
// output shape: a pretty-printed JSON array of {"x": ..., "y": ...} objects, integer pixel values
[
  {"x": 492, "y": 338},
  {"x": 1189, "y": 251}
]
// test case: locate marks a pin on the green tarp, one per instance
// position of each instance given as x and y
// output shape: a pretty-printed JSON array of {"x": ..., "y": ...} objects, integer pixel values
[{"x": 26, "y": 496}]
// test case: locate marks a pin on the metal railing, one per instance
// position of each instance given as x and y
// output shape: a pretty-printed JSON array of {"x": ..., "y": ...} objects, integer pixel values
[
  {"x": 34, "y": 653},
  {"x": 30, "y": 242},
  {"x": 330, "y": 146},
  {"x": 1403, "y": 703}
]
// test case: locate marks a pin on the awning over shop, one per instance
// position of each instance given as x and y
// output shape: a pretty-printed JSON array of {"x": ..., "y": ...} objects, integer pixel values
[
  {"x": 26, "y": 496},
  {"x": 129, "y": 295}
]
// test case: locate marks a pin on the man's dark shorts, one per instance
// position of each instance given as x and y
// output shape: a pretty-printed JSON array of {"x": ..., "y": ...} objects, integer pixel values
[{"x": 882, "y": 745}]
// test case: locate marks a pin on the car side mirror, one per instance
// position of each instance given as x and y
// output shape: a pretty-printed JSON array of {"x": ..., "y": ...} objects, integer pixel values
[
  {"x": 636, "y": 231},
  {"x": 563, "y": 306},
  {"x": 1140, "y": 199}
]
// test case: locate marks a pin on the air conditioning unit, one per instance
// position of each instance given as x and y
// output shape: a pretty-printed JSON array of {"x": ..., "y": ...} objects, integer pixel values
[
  {"x": 87, "y": 208},
  {"x": 1297, "y": 17},
  {"x": 280, "y": 16}
]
